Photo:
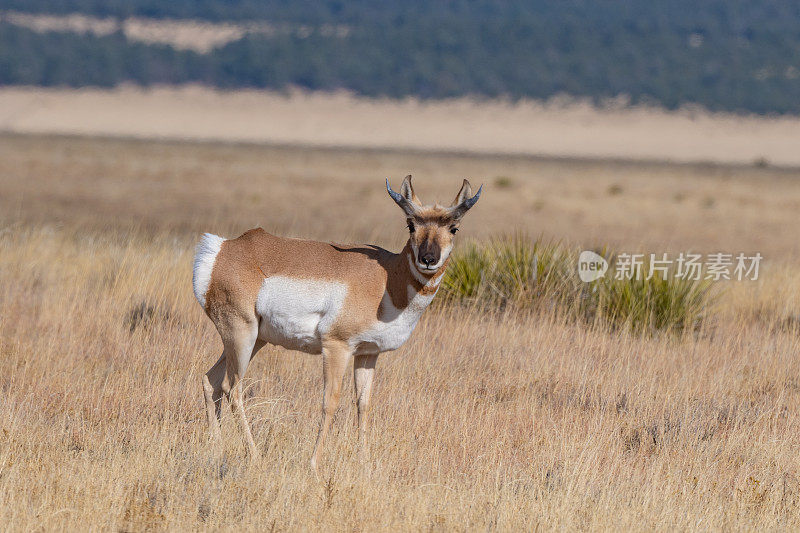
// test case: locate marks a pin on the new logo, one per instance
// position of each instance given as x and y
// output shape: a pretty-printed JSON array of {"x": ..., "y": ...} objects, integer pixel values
[{"x": 591, "y": 266}]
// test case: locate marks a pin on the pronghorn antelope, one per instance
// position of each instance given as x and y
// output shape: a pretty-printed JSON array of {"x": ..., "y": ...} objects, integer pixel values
[{"x": 315, "y": 297}]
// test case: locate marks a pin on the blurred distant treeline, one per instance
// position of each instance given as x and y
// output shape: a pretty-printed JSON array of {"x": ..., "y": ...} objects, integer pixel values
[{"x": 730, "y": 55}]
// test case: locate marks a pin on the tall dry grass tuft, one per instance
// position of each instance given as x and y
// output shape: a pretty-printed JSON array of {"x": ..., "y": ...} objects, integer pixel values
[{"x": 510, "y": 419}]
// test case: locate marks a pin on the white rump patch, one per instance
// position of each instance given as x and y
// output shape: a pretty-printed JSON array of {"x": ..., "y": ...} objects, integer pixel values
[
  {"x": 205, "y": 255},
  {"x": 297, "y": 313}
]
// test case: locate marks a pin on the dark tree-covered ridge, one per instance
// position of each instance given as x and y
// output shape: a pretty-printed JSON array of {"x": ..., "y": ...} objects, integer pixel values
[{"x": 729, "y": 55}]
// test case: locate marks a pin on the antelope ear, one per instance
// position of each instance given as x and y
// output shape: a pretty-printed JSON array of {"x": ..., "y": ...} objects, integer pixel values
[
  {"x": 463, "y": 194},
  {"x": 407, "y": 191}
]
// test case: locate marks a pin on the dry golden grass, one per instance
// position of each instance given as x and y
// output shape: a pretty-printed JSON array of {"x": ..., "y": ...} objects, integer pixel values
[
  {"x": 481, "y": 421},
  {"x": 187, "y": 188}
]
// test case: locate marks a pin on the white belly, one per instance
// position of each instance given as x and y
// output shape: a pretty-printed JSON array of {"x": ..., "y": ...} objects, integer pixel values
[
  {"x": 395, "y": 327},
  {"x": 296, "y": 313}
]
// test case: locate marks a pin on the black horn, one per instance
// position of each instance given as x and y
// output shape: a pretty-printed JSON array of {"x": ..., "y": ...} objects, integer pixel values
[
  {"x": 406, "y": 205},
  {"x": 469, "y": 202},
  {"x": 459, "y": 210},
  {"x": 395, "y": 196}
]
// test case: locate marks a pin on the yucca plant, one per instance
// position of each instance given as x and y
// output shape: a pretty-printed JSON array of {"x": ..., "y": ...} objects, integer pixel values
[
  {"x": 658, "y": 303},
  {"x": 465, "y": 273},
  {"x": 557, "y": 283},
  {"x": 513, "y": 273},
  {"x": 524, "y": 273}
]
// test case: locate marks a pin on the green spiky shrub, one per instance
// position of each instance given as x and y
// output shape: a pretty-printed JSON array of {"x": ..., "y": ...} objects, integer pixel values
[
  {"x": 527, "y": 274},
  {"x": 513, "y": 273},
  {"x": 655, "y": 304},
  {"x": 465, "y": 272},
  {"x": 510, "y": 271}
]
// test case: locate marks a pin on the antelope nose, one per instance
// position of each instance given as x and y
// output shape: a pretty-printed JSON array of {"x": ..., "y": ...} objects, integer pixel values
[{"x": 428, "y": 259}]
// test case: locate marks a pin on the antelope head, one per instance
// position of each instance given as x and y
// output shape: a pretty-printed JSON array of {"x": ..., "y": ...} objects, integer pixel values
[{"x": 432, "y": 227}]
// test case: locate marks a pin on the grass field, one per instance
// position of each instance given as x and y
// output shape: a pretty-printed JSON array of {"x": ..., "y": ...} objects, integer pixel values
[{"x": 501, "y": 420}]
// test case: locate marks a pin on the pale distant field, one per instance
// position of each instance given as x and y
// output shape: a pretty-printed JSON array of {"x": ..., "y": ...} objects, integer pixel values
[
  {"x": 482, "y": 421},
  {"x": 557, "y": 128}
]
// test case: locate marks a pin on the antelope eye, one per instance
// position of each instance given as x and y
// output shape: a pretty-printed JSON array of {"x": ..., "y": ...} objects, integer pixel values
[
  {"x": 411, "y": 227},
  {"x": 453, "y": 230}
]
